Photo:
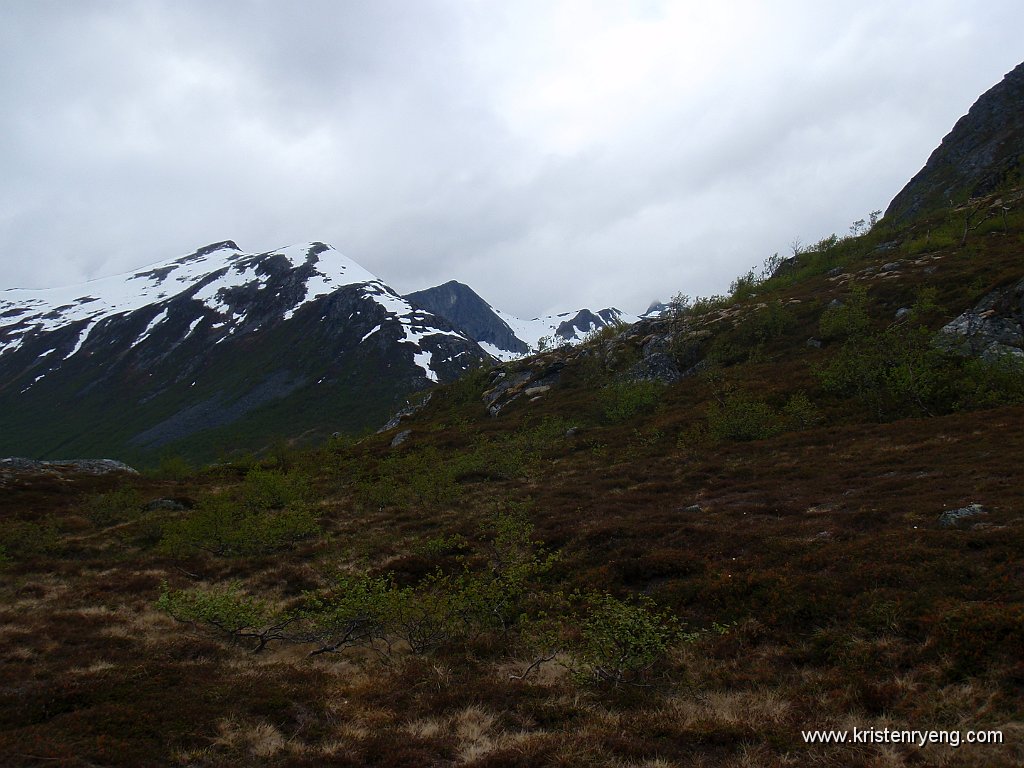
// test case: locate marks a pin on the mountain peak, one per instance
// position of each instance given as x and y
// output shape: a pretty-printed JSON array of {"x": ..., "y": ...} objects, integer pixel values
[
  {"x": 214, "y": 247},
  {"x": 983, "y": 151},
  {"x": 205, "y": 341}
]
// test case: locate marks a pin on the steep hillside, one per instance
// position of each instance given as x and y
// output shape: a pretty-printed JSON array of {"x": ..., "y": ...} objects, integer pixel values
[
  {"x": 216, "y": 350},
  {"x": 984, "y": 150}
]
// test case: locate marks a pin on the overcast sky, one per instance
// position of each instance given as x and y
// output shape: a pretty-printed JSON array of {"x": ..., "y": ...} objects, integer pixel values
[{"x": 551, "y": 154}]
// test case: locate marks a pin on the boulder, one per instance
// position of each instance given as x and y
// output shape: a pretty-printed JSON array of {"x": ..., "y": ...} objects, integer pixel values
[
  {"x": 953, "y": 518},
  {"x": 994, "y": 327},
  {"x": 401, "y": 437},
  {"x": 410, "y": 409}
]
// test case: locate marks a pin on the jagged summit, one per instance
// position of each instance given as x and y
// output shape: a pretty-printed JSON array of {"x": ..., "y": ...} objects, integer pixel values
[{"x": 983, "y": 151}]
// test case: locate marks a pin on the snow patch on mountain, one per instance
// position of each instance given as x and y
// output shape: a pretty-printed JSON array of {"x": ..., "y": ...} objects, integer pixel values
[
  {"x": 222, "y": 285},
  {"x": 206, "y": 276},
  {"x": 555, "y": 330}
]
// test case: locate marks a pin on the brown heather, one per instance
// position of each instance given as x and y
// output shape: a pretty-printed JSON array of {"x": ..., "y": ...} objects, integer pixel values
[{"x": 816, "y": 588}]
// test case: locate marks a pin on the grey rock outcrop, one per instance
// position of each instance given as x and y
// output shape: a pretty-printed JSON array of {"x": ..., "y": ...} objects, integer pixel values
[
  {"x": 14, "y": 467},
  {"x": 401, "y": 437},
  {"x": 994, "y": 327},
  {"x": 410, "y": 409},
  {"x": 532, "y": 379},
  {"x": 953, "y": 518}
]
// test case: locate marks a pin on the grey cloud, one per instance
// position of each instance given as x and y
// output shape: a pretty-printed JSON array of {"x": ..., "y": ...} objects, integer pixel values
[{"x": 136, "y": 131}]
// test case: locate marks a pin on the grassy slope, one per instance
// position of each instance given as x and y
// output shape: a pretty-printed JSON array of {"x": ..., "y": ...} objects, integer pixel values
[{"x": 847, "y": 604}]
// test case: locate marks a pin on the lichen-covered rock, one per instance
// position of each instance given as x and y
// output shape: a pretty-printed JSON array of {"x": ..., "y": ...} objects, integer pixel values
[
  {"x": 954, "y": 517},
  {"x": 994, "y": 327},
  {"x": 409, "y": 410},
  {"x": 19, "y": 467},
  {"x": 655, "y": 367}
]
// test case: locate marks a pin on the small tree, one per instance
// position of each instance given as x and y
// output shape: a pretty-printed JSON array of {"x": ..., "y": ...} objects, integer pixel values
[{"x": 622, "y": 641}]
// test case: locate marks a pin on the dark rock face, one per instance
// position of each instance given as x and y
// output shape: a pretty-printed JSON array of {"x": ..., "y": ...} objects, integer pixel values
[
  {"x": 583, "y": 323},
  {"x": 465, "y": 310},
  {"x": 984, "y": 150}
]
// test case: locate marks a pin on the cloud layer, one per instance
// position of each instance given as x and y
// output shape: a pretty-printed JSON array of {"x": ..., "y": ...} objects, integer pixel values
[{"x": 550, "y": 154}]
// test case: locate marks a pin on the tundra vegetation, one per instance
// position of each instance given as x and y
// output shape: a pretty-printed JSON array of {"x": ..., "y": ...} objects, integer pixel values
[{"x": 612, "y": 572}]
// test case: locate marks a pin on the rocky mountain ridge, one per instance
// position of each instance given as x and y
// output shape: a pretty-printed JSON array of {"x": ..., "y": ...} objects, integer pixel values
[{"x": 984, "y": 150}]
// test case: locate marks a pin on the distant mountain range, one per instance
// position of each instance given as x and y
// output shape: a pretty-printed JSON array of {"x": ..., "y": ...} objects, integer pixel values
[
  {"x": 222, "y": 349},
  {"x": 505, "y": 336}
]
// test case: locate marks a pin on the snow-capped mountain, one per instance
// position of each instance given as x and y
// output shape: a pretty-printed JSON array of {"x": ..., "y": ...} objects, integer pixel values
[
  {"x": 219, "y": 341},
  {"x": 504, "y": 335}
]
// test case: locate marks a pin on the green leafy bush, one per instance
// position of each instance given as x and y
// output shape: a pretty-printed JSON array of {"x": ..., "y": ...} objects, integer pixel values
[
  {"x": 994, "y": 381},
  {"x": 849, "y": 319},
  {"x": 266, "y": 512},
  {"x": 22, "y": 539},
  {"x": 743, "y": 287},
  {"x": 622, "y": 641},
  {"x": 226, "y": 610},
  {"x": 800, "y": 413},
  {"x": 114, "y": 507},
  {"x": 496, "y": 596},
  {"x": 757, "y": 328},
  {"x": 897, "y": 373},
  {"x": 420, "y": 476},
  {"x": 172, "y": 468},
  {"x": 469, "y": 387},
  {"x": 353, "y": 612},
  {"x": 624, "y": 400},
  {"x": 739, "y": 416}
]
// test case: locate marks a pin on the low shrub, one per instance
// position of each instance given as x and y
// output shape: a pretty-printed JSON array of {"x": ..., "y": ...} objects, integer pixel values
[
  {"x": 172, "y": 468},
  {"x": 765, "y": 324},
  {"x": 848, "y": 319},
  {"x": 604, "y": 640},
  {"x": 421, "y": 476},
  {"x": 117, "y": 506},
  {"x": 621, "y": 641},
  {"x": 23, "y": 539},
  {"x": 266, "y": 512},
  {"x": 740, "y": 416},
  {"x": 897, "y": 373},
  {"x": 226, "y": 610},
  {"x": 991, "y": 382},
  {"x": 622, "y": 401}
]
